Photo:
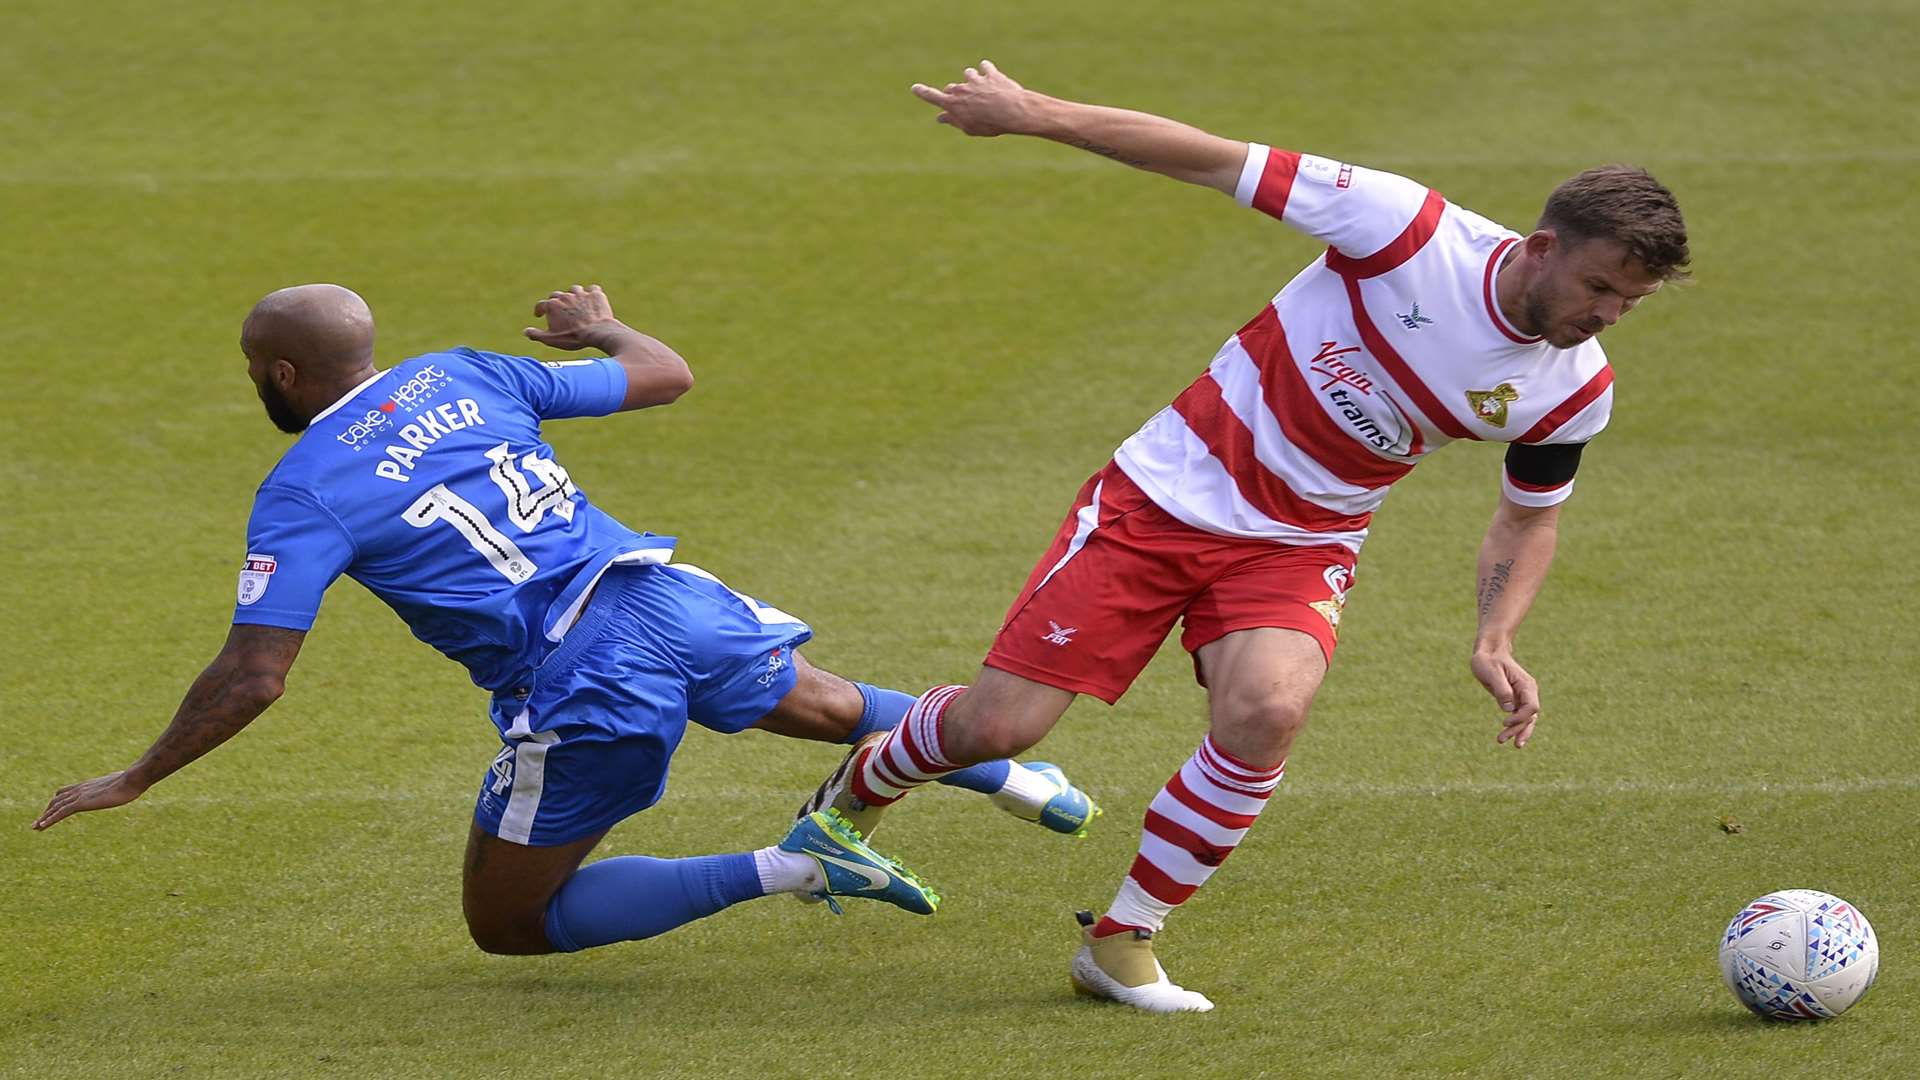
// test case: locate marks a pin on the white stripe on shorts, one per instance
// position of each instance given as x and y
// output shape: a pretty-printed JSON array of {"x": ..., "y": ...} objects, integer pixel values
[
  {"x": 529, "y": 778},
  {"x": 766, "y": 613},
  {"x": 1089, "y": 516}
]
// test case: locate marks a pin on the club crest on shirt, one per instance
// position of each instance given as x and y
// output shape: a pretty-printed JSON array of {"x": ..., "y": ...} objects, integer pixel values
[
  {"x": 1490, "y": 406},
  {"x": 254, "y": 577}
]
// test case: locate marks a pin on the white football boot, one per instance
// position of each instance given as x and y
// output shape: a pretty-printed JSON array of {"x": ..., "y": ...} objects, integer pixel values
[{"x": 1121, "y": 967}]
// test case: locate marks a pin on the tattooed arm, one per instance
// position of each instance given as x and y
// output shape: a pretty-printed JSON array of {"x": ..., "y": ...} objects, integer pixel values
[
  {"x": 985, "y": 102},
  {"x": 1513, "y": 563},
  {"x": 248, "y": 675}
]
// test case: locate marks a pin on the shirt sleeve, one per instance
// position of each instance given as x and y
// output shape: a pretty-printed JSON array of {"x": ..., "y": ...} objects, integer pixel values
[
  {"x": 295, "y": 549},
  {"x": 1540, "y": 474},
  {"x": 557, "y": 389},
  {"x": 1359, "y": 212}
]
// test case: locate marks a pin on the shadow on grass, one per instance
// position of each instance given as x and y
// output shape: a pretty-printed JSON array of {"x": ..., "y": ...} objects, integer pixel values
[
  {"x": 469, "y": 1008},
  {"x": 1717, "y": 1021}
]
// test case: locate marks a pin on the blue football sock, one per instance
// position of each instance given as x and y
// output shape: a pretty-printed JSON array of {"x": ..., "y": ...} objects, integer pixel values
[
  {"x": 634, "y": 897},
  {"x": 884, "y": 711}
]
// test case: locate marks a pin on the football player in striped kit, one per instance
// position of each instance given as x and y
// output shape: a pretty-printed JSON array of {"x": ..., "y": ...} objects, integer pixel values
[{"x": 1240, "y": 508}]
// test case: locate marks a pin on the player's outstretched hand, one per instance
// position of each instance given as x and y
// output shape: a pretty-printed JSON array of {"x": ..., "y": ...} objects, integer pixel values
[
  {"x": 985, "y": 102},
  {"x": 100, "y": 793},
  {"x": 573, "y": 317},
  {"x": 1515, "y": 691}
]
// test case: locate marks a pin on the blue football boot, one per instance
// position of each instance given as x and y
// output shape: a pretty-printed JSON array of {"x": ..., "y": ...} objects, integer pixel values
[{"x": 850, "y": 868}]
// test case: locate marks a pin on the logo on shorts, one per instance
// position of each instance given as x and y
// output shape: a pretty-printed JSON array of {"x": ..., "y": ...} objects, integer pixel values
[
  {"x": 1490, "y": 406},
  {"x": 1061, "y": 635},
  {"x": 254, "y": 577},
  {"x": 502, "y": 770},
  {"x": 776, "y": 663},
  {"x": 1339, "y": 579}
]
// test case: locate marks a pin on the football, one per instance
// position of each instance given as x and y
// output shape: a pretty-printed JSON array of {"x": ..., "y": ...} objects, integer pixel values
[{"x": 1799, "y": 954}]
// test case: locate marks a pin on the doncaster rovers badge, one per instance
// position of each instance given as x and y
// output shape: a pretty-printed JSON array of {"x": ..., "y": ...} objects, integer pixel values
[{"x": 1490, "y": 406}]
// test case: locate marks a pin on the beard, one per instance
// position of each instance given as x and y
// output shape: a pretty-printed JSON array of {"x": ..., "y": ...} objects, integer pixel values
[
  {"x": 280, "y": 410},
  {"x": 1537, "y": 307},
  {"x": 1537, "y": 311}
]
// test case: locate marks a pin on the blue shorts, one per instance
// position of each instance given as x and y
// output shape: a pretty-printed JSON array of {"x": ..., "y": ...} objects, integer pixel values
[{"x": 588, "y": 743}]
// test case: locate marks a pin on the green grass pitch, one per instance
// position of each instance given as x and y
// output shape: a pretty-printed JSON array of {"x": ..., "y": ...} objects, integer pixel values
[{"x": 911, "y": 348}]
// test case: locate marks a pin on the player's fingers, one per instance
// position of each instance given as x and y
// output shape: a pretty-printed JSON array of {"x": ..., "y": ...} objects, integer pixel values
[
  {"x": 973, "y": 75},
  {"x": 986, "y": 66},
  {"x": 1521, "y": 733},
  {"x": 539, "y": 308},
  {"x": 1526, "y": 696},
  {"x": 52, "y": 814},
  {"x": 943, "y": 118},
  {"x": 931, "y": 96}
]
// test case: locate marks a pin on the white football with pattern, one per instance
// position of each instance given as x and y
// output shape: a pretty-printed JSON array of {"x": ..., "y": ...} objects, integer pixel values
[{"x": 1799, "y": 954}]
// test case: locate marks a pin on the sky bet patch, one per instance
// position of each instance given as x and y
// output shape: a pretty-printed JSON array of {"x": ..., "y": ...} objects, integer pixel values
[{"x": 254, "y": 577}]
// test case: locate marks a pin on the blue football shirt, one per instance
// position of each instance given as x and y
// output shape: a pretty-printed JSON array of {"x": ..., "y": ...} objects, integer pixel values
[{"x": 430, "y": 485}]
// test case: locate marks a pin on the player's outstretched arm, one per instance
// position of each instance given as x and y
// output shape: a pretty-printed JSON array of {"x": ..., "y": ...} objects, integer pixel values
[
  {"x": 1513, "y": 564},
  {"x": 986, "y": 102},
  {"x": 247, "y": 676},
  {"x": 582, "y": 318}
]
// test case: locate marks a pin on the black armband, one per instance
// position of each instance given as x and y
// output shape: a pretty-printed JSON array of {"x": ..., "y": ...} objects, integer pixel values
[{"x": 1543, "y": 465}]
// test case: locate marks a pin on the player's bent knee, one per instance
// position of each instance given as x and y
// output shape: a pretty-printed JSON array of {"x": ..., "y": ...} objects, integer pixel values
[
  {"x": 989, "y": 737},
  {"x": 501, "y": 936},
  {"x": 1260, "y": 729},
  {"x": 1280, "y": 716}
]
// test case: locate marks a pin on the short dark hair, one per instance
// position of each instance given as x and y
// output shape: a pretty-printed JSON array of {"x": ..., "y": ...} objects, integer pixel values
[{"x": 1624, "y": 204}]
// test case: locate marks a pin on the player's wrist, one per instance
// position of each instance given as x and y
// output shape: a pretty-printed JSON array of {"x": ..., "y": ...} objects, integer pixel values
[
  {"x": 1490, "y": 646},
  {"x": 1047, "y": 117},
  {"x": 606, "y": 335},
  {"x": 137, "y": 778}
]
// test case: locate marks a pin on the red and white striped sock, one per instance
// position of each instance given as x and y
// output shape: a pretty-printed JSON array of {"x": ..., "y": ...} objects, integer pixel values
[
  {"x": 1192, "y": 826},
  {"x": 911, "y": 753}
]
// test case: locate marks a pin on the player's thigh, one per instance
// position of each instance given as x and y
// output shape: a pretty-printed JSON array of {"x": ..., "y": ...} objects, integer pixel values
[
  {"x": 1260, "y": 684},
  {"x": 505, "y": 888},
  {"x": 1000, "y": 715},
  {"x": 1099, "y": 604},
  {"x": 821, "y": 706},
  {"x": 739, "y": 654}
]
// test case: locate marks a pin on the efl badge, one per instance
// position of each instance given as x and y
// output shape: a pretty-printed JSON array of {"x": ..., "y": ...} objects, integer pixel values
[
  {"x": 254, "y": 577},
  {"x": 1339, "y": 580},
  {"x": 1490, "y": 406}
]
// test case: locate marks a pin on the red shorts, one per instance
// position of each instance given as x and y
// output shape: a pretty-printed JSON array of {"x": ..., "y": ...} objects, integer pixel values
[{"x": 1121, "y": 570}]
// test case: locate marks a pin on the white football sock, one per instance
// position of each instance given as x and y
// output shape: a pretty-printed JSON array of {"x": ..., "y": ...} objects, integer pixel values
[
  {"x": 787, "y": 871},
  {"x": 1026, "y": 788}
]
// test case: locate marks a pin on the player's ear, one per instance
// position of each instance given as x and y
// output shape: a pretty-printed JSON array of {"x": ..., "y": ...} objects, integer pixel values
[
  {"x": 282, "y": 374},
  {"x": 1540, "y": 243}
]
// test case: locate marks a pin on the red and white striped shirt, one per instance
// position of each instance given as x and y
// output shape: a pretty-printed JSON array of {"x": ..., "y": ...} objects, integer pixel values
[{"x": 1386, "y": 348}]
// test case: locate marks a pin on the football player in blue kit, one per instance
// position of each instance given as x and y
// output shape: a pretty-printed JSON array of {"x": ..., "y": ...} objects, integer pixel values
[{"x": 430, "y": 484}]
